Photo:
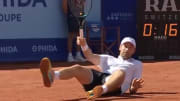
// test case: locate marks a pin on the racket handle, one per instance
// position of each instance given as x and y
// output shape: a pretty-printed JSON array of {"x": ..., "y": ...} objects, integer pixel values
[{"x": 81, "y": 33}]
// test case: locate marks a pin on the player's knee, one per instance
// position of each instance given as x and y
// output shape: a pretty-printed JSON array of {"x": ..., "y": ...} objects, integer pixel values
[{"x": 77, "y": 67}]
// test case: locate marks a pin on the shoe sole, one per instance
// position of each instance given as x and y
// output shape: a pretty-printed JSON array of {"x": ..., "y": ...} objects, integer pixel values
[
  {"x": 45, "y": 67},
  {"x": 95, "y": 93}
]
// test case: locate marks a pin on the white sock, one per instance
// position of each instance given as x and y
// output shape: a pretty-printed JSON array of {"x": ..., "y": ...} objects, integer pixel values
[
  {"x": 56, "y": 75},
  {"x": 105, "y": 89},
  {"x": 70, "y": 54}
]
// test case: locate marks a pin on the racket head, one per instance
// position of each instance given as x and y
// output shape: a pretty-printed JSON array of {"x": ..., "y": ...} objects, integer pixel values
[{"x": 80, "y": 8}]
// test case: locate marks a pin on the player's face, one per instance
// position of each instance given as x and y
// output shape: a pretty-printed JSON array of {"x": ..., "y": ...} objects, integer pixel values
[{"x": 127, "y": 50}]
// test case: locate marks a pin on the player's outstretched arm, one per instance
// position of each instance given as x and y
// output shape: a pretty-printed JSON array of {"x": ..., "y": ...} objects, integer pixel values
[
  {"x": 135, "y": 85},
  {"x": 94, "y": 58}
]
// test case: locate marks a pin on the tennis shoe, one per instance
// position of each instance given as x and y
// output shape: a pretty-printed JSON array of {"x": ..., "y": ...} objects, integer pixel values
[
  {"x": 95, "y": 93},
  {"x": 47, "y": 73}
]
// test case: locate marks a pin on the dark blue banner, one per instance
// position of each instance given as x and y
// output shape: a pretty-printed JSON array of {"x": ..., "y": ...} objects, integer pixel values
[
  {"x": 120, "y": 13},
  {"x": 32, "y": 49},
  {"x": 115, "y": 12}
]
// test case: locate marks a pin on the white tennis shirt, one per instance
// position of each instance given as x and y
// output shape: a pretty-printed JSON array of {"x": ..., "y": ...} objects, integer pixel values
[{"x": 132, "y": 68}]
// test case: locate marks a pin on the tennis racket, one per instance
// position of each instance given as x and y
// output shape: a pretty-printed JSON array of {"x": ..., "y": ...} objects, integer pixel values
[{"x": 80, "y": 10}]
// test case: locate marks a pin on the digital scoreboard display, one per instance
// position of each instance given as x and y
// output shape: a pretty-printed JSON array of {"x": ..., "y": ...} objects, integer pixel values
[{"x": 158, "y": 36}]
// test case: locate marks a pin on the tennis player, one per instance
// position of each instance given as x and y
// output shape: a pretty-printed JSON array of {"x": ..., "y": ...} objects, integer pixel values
[{"x": 115, "y": 75}]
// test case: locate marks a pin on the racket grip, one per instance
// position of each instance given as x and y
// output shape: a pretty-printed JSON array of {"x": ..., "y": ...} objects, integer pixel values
[{"x": 81, "y": 33}]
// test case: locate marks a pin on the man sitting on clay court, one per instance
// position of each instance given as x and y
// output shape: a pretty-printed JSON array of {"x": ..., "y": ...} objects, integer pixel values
[{"x": 115, "y": 75}]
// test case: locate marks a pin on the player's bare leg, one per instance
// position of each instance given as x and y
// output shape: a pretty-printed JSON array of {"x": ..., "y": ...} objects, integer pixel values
[
  {"x": 82, "y": 74},
  {"x": 115, "y": 80},
  {"x": 112, "y": 84}
]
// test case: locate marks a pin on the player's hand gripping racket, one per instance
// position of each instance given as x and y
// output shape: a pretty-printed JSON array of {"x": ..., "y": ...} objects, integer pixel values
[{"x": 80, "y": 9}]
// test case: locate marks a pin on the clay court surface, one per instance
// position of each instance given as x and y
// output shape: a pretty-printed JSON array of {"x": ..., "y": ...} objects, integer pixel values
[{"x": 22, "y": 82}]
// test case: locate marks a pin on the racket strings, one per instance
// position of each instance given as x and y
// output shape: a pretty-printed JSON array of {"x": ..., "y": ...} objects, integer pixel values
[{"x": 80, "y": 8}]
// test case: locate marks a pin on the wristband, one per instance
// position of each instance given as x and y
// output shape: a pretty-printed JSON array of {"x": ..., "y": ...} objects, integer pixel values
[{"x": 84, "y": 48}]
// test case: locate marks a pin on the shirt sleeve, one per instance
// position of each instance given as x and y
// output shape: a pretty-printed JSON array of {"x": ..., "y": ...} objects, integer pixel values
[
  {"x": 103, "y": 62},
  {"x": 138, "y": 71}
]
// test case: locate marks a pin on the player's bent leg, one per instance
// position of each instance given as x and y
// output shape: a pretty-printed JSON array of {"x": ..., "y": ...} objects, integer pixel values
[
  {"x": 115, "y": 80},
  {"x": 112, "y": 84},
  {"x": 82, "y": 74},
  {"x": 47, "y": 73}
]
